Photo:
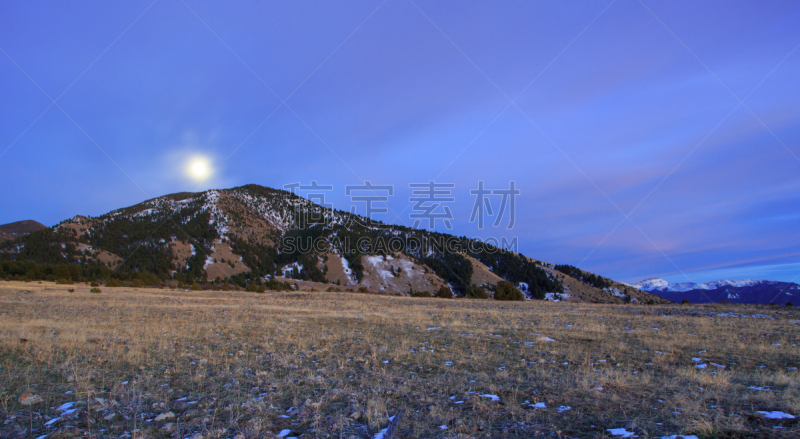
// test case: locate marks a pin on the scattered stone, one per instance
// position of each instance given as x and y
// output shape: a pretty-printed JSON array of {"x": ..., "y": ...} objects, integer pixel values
[
  {"x": 201, "y": 420},
  {"x": 101, "y": 404},
  {"x": 178, "y": 406},
  {"x": 29, "y": 398},
  {"x": 206, "y": 402},
  {"x": 191, "y": 414},
  {"x": 165, "y": 416},
  {"x": 168, "y": 428}
]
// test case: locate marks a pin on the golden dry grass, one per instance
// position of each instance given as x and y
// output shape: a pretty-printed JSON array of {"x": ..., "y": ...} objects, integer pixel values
[{"x": 339, "y": 364}]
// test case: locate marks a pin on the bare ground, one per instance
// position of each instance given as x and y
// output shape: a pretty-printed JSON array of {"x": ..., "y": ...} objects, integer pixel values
[{"x": 174, "y": 363}]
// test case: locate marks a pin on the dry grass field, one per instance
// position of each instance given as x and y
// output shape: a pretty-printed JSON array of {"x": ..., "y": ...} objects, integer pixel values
[{"x": 170, "y": 363}]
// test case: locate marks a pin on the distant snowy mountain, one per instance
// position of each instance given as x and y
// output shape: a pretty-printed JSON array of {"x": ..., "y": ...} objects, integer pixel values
[
  {"x": 662, "y": 285},
  {"x": 735, "y": 291}
]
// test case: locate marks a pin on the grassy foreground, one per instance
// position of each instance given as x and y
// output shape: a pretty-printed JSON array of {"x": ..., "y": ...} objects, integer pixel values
[{"x": 161, "y": 363}]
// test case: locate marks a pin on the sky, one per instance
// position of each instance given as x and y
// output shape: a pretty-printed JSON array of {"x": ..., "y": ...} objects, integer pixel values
[{"x": 646, "y": 138}]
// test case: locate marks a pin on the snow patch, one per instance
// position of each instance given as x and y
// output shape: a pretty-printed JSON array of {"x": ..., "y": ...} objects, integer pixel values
[{"x": 775, "y": 415}]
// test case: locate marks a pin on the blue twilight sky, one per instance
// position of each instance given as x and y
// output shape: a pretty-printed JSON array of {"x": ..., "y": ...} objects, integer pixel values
[{"x": 647, "y": 138}]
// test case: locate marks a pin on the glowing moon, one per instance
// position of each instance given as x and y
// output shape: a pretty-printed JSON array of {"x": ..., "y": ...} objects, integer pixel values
[{"x": 199, "y": 168}]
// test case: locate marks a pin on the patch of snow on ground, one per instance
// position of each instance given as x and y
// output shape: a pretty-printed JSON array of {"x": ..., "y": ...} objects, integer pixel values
[
  {"x": 382, "y": 272},
  {"x": 346, "y": 266},
  {"x": 620, "y": 432},
  {"x": 554, "y": 297},
  {"x": 289, "y": 268},
  {"x": 765, "y": 389},
  {"x": 775, "y": 415},
  {"x": 382, "y": 434},
  {"x": 493, "y": 397},
  {"x": 65, "y": 406},
  {"x": 617, "y": 293}
]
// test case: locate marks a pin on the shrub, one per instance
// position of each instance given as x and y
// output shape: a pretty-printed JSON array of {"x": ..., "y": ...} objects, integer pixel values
[
  {"x": 507, "y": 291},
  {"x": 363, "y": 290},
  {"x": 789, "y": 303},
  {"x": 195, "y": 287},
  {"x": 136, "y": 283},
  {"x": 686, "y": 302},
  {"x": 71, "y": 290},
  {"x": 95, "y": 290},
  {"x": 476, "y": 292},
  {"x": 444, "y": 293},
  {"x": 64, "y": 281},
  {"x": 420, "y": 294},
  {"x": 94, "y": 284},
  {"x": 255, "y": 288},
  {"x": 113, "y": 283},
  {"x": 330, "y": 289}
]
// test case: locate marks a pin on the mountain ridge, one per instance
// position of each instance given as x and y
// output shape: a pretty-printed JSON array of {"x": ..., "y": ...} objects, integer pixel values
[
  {"x": 253, "y": 234},
  {"x": 761, "y": 292},
  {"x": 19, "y": 228}
]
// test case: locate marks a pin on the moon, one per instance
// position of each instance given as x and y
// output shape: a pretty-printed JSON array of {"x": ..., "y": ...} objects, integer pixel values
[{"x": 199, "y": 168}]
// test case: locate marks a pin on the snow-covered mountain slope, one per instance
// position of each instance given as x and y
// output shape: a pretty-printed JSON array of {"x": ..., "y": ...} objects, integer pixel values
[
  {"x": 662, "y": 285},
  {"x": 749, "y": 291}
]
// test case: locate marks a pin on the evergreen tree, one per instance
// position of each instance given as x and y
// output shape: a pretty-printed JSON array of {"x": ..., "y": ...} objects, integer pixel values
[{"x": 507, "y": 291}]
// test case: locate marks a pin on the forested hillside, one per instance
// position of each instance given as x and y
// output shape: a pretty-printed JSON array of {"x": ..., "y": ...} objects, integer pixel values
[{"x": 253, "y": 235}]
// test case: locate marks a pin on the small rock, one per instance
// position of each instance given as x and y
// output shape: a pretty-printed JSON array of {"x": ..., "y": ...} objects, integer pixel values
[
  {"x": 168, "y": 428},
  {"x": 202, "y": 420},
  {"x": 100, "y": 404},
  {"x": 165, "y": 416},
  {"x": 191, "y": 414},
  {"x": 207, "y": 402},
  {"x": 178, "y": 406},
  {"x": 28, "y": 399},
  {"x": 355, "y": 415}
]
